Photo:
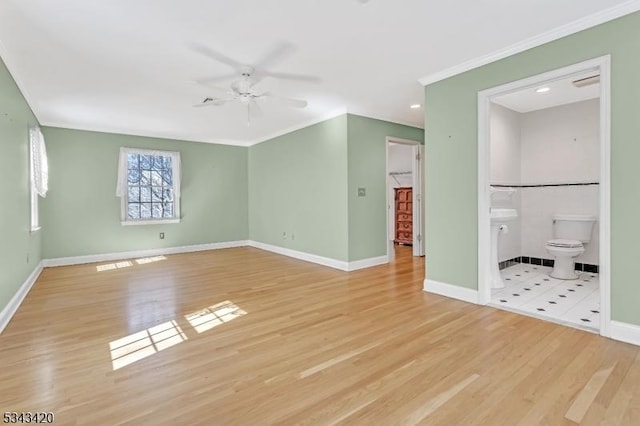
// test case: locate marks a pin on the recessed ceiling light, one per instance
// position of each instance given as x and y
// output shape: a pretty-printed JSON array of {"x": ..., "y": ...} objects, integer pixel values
[
  {"x": 542, "y": 89},
  {"x": 415, "y": 106}
]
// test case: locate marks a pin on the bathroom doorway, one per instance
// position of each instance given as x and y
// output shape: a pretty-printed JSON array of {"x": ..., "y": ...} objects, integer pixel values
[
  {"x": 405, "y": 185},
  {"x": 543, "y": 196}
]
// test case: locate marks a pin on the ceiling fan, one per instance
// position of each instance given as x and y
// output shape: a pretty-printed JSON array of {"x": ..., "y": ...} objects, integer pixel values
[{"x": 243, "y": 89}]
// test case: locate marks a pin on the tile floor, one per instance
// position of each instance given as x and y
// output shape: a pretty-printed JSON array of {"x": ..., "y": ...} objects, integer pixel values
[{"x": 529, "y": 289}]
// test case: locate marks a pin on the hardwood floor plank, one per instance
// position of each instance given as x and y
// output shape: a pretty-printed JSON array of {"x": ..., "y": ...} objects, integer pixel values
[
  {"x": 432, "y": 405},
  {"x": 588, "y": 394}
]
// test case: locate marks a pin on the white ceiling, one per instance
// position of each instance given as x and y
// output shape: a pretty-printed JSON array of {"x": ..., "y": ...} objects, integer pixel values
[
  {"x": 561, "y": 92},
  {"x": 125, "y": 66}
]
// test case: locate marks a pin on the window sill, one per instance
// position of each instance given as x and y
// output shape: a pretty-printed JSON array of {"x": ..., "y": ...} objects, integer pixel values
[{"x": 149, "y": 222}]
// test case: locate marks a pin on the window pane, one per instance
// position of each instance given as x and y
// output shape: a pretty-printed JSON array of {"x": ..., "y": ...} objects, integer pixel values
[
  {"x": 146, "y": 161},
  {"x": 145, "y": 194},
  {"x": 158, "y": 162},
  {"x": 156, "y": 178},
  {"x": 168, "y": 210},
  {"x": 134, "y": 194},
  {"x": 145, "y": 211},
  {"x": 167, "y": 177},
  {"x": 132, "y": 161},
  {"x": 167, "y": 163},
  {"x": 167, "y": 194},
  {"x": 156, "y": 211},
  {"x": 134, "y": 211},
  {"x": 133, "y": 177},
  {"x": 145, "y": 178},
  {"x": 156, "y": 194}
]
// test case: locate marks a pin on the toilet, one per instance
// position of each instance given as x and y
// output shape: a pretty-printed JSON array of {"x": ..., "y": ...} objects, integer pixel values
[{"x": 570, "y": 233}]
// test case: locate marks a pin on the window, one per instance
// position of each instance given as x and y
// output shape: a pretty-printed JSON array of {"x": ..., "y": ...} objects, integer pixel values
[
  {"x": 149, "y": 186},
  {"x": 38, "y": 173}
]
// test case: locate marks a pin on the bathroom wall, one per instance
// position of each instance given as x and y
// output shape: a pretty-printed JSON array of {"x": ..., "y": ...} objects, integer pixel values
[
  {"x": 505, "y": 146},
  {"x": 505, "y": 170},
  {"x": 553, "y": 146},
  {"x": 559, "y": 145}
]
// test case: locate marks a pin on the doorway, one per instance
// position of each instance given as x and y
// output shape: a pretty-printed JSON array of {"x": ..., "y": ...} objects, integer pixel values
[
  {"x": 486, "y": 270},
  {"x": 404, "y": 178}
]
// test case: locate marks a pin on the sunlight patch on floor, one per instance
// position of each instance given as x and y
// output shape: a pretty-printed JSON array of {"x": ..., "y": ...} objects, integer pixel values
[
  {"x": 112, "y": 266},
  {"x": 128, "y": 263},
  {"x": 146, "y": 260},
  {"x": 140, "y": 345},
  {"x": 214, "y": 315}
]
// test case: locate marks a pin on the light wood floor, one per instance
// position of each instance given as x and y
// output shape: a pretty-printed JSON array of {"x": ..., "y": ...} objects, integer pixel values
[{"x": 242, "y": 336}]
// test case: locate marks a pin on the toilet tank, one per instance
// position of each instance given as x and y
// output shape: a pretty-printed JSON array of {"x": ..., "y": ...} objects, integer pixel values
[{"x": 573, "y": 227}]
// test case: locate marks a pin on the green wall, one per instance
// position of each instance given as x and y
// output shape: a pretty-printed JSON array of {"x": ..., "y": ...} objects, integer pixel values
[
  {"x": 305, "y": 183},
  {"x": 20, "y": 251},
  {"x": 81, "y": 214},
  {"x": 367, "y": 167},
  {"x": 451, "y": 154},
  {"x": 298, "y": 186}
]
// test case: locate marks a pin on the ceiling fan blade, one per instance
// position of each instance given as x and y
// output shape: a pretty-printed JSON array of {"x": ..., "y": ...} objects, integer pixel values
[
  {"x": 224, "y": 90},
  {"x": 207, "y": 81},
  {"x": 288, "y": 76},
  {"x": 203, "y": 104},
  {"x": 296, "y": 103},
  {"x": 216, "y": 56},
  {"x": 277, "y": 55},
  {"x": 213, "y": 102}
]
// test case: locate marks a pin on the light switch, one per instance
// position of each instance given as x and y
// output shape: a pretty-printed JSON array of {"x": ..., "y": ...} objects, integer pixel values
[{"x": 362, "y": 192}]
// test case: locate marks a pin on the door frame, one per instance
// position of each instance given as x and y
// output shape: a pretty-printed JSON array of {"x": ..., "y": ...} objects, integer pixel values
[
  {"x": 603, "y": 64},
  {"x": 417, "y": 173}
]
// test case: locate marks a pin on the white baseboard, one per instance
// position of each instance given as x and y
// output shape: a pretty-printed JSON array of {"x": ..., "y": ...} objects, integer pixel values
[
  {"x": 625, "y": 332},
  {"x": 367, "y": 263},
  {"x": 78, "y": 260},
  {"x": 321, "y": 260},
  {"x": 450, "y": 290},
  {"x": 313, "y": 258},
  {"x": 7, "y": 313}
]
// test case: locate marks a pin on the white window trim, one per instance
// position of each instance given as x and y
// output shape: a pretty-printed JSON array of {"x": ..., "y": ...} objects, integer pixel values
[
  {"x": 122, "y": 188},
  {"x": 34, "y": 209}
]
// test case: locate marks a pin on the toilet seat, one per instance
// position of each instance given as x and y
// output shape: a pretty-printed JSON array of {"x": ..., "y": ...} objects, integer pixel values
[{"x": 560, "y": 243}]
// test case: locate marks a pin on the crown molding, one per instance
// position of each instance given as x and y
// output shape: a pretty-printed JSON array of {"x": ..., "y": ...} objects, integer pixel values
[{"x": 581, "y": 24}]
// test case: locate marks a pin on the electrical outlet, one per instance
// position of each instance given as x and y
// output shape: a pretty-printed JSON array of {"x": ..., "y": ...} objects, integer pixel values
[
  {"x": 284, "y": 235},
  {"x": 293, "y": 236},
  {"x": 362, "y": 192},
  {"x": 162, "y": 235}
]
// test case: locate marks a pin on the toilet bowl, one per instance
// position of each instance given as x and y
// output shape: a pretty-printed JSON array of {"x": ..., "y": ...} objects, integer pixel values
[
  {"x": 564, "y": 253},
  {"x": 571, "y": 233}
]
